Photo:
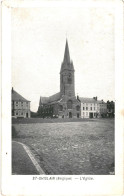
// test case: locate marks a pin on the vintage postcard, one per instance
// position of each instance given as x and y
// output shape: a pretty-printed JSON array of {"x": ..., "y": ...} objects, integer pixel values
[{"x": 62, "y": 97}]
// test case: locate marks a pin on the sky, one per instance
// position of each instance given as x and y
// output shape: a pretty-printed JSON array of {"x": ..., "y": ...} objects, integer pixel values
[{"x": 38, "y": 44}]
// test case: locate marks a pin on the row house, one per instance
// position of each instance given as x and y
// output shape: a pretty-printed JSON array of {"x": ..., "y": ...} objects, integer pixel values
[
  {"x": 20, "y": 106},
  {"x": 110, "y": 109},
  {"x": 92, "y": 108}
]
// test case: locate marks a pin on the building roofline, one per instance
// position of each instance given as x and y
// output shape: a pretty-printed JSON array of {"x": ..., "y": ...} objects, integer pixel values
[{"x": 17, "y": 97}]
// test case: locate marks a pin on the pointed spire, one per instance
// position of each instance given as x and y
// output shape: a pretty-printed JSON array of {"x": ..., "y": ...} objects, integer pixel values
[
  {"x": 66, "y": 55},
  {"x": 67, "y": 62},
  {"x": 40, "y": 102}
]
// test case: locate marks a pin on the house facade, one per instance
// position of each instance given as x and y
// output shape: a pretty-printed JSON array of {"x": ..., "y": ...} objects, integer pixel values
[
  {"x": 63, "y": 104},
  {"x": 20, "y": 106},
  {"x": 92, "y": 108},
  {"x": 102, "y": 109},
  {"x": 110, "y": 109}
]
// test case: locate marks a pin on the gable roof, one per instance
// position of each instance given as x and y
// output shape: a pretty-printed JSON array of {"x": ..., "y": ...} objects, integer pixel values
[
  {"x": 17, "y": 97},
  {"x": 55, "y": 97},
  {"x": 90, "y": 100}
]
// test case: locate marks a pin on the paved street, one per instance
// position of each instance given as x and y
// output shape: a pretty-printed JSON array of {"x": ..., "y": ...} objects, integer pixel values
[
  {"x": 71, "y": 148},
  {"x": 21, "y": 162}
]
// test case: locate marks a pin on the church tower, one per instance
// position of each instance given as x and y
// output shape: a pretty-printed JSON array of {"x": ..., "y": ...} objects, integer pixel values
[
  {"x": 67, "y": 83},
  {"x": 63, "y": 104}
]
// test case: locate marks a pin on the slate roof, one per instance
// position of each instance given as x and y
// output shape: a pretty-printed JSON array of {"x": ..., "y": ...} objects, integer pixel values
[
  {"x": 53, "y": 98},
  {"x": 44, "y": 100},
  {"x": 90, "y": 100},
  {"x": 17, "y": 97}
]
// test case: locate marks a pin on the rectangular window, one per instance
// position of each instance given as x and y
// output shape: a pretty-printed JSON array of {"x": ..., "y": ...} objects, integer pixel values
[
  {"x": 16, "y": 113},
  {"x": 94, "y": 108},
  {"x": 83, "y": 108},
  {"x": 21, "y": 113},
  {"x": 86, "y": 108},
  {"x": 90, "y": 108}
]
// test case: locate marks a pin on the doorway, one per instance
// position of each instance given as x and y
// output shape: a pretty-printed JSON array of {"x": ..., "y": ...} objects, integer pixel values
[
  {"x": 91, "y": 115},
  {"x": 70, "y": 114},
  {"x": 77, "y": 115}
]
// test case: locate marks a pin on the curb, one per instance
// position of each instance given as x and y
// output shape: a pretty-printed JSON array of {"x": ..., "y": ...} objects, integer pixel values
[{"x": 31, "y": 156}]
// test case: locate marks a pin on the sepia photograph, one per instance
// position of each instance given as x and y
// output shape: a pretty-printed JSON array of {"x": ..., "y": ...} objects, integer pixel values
[
  {"x": 62, "y": 67},
  {"x": 63, "y": 105}
]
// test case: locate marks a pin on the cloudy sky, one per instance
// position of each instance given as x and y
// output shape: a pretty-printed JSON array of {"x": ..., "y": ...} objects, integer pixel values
[{"x": 38, "y": 43}]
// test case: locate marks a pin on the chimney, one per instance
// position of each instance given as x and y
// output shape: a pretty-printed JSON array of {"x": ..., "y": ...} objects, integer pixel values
[{"x": 95, "y": 98}]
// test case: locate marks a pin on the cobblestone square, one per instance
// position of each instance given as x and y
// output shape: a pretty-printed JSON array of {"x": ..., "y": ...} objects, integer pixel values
[{"x": 71, "y": 148}]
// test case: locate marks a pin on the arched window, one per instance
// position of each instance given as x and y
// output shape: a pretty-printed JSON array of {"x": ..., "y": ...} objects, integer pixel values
[
  {"x": 69, "y": 79},
  {"x": 69, "y": 104},
  {"x": 60, "y": 107},
  {"x": 78, "y": 108}
]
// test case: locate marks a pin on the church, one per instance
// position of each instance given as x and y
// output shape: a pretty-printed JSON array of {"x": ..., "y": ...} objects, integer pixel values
[{"x": 63, "y": 104}]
